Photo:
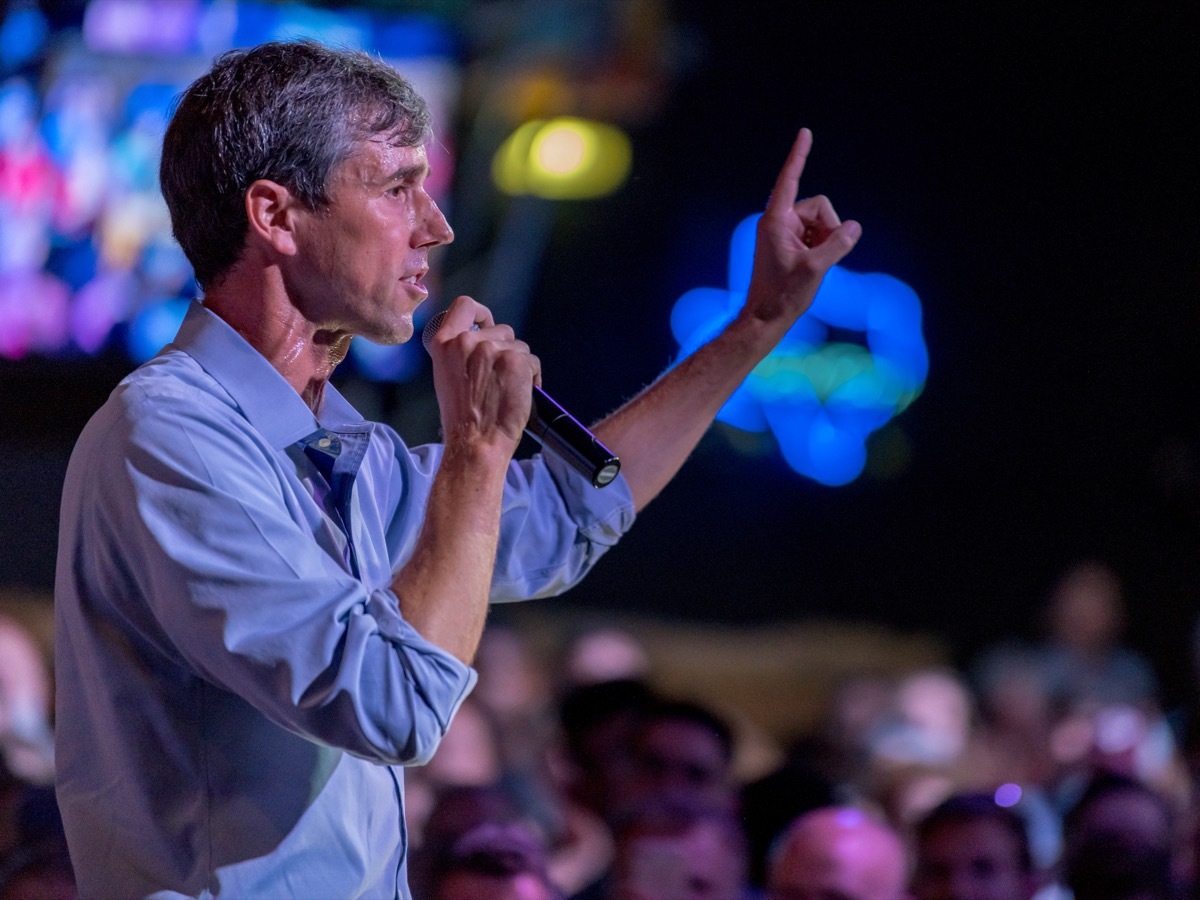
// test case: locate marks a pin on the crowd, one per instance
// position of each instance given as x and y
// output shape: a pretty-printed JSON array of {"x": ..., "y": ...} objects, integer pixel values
[{"x": 1044, "y": 769}]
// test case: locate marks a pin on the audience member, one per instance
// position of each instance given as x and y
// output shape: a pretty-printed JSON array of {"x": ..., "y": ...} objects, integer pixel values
[
  {"x": 593, "y": 764},
  {"x": 927, "y": 747},
  {"x": 515, "y": 689},
  {"x": 859, "y": 707},
  {"x": 681, "y": 751},
  {"x": 456, "y": 811},
  {"x": 604, "y": 654},
  {"x": 1083, "y": 659},
  {"x": 1017, "y": 715},
  {"x": 494, "y": 862},
  {"x": 678, "y": 850},
  {"x": 841, "y": 852},
  {"x": 468, "y": 756},
  {"x": 770, "y": 803},
  {"x": 598, "y": 723},
  {"x": 26, "y": 741},
  {"x": 1119, "y": 843},
  {"x": 970, "y": 848}
]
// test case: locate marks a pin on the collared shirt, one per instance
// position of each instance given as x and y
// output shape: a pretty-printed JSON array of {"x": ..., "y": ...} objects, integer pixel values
[{"x": 236, "y": 686}]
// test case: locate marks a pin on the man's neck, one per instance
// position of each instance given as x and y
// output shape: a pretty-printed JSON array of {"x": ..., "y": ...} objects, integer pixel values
[{"x": 263, "y": 316}]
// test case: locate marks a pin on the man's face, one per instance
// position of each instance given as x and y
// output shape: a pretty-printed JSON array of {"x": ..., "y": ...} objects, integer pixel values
[
  {"x": 836, "y": 874},
  {"x": 697, "y": 865},
  {"x": 973, "y": 860},
  {"x": 473, "y": 886},
  {"x": 360, "y": 263},
  {"x": 681, "y": 759}
]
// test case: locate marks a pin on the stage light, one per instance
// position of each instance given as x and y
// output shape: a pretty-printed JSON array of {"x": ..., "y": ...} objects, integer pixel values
[
  {"x": 153, "y": 327},
  {"x": 1008, "y": 795},
  {"x": 85, "y": 237},
  {"x": 854, "y": 361},
  {"x": 563, "y": 159}
]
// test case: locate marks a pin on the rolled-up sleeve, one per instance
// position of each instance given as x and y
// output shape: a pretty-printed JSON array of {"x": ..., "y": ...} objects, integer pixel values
[
  {"x": 554, "y": 527},
  {"x": 233, "y": 587}
]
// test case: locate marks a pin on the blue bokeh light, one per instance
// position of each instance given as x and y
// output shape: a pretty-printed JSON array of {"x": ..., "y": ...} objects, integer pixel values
[
  {"x": 854, "y": 361},
  {"x": 23, "y": 32},
  {"x": 154, "y": 327},
  {"x": 1008, "y": 795}
]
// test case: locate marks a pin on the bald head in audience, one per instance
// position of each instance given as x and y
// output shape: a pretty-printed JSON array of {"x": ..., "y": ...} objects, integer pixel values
[{"x": 838, "y": 852}]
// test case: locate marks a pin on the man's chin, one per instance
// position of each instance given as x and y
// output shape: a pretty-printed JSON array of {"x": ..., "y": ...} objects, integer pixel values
[{"x": 400, "y": 333}]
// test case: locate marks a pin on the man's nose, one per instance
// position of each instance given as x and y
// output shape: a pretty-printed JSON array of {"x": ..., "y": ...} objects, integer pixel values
[{"x": 434, "y": 229}]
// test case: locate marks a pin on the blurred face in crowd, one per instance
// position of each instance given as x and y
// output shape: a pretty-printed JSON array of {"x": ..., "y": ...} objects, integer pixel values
[
  {"x": 605, "y": 763},
  {"x": 682, "y": 759},
  {"x": 1086, "y": 611},
  {"x": 1122, "y": 838},
  {"x": 974, "y": 859},
  {"x": 476, "y": 886},
  {"x": 838, "y": 854},
  {"x": 468, "y": 754},
  {"x": 699, "y": 864},
  {"x": 1130, "y": 817}
]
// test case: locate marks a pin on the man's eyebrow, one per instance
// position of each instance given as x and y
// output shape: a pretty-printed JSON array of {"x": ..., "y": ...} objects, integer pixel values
[{"x": 415, "y": 170}]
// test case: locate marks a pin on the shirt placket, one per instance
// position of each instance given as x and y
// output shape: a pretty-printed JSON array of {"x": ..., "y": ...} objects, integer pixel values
[{"x": 325, "y": 450}]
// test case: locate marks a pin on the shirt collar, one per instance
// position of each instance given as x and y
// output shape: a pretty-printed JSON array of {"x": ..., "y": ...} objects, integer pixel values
[{"x": 265, "y": 398}]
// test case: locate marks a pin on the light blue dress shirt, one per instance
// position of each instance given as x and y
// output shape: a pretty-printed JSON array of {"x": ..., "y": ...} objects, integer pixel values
[{"x": 236, "y": 686}]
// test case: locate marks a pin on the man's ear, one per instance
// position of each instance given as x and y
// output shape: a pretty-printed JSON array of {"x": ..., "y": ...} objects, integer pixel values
[{"x": 271, "y": 209}]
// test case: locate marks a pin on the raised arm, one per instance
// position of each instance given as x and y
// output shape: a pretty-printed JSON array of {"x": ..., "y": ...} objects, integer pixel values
[{"x": 798, "y": 241}]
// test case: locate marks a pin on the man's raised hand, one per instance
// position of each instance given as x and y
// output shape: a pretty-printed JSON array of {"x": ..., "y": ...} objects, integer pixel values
[{"x": 798, "y": 241}]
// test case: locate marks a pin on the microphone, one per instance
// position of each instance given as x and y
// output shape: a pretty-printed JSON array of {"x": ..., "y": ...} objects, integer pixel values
[{"x": 557, "y": 430}]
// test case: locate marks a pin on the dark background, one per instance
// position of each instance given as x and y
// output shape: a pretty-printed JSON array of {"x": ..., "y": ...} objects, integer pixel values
[{"x": 1031, "y": 171}]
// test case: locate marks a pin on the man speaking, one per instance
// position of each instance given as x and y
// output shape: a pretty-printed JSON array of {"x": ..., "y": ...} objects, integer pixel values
[{"x": 268, "y": 606}]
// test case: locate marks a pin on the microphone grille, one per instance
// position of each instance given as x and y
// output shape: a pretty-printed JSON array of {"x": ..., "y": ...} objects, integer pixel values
[{"x": 431, "y": 328}]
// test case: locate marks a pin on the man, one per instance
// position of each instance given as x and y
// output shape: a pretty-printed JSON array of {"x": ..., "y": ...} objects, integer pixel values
[
  {"x": 837, "y": 853},
  {"x": 497, "y": 862},
  {"x": 673, "y": 848},
  {"x": 680, "y": 750},
  {"x": 968, "y": 848},
  {"x": 1120, "y": 843},
  {"x": 266, "y": 605}
]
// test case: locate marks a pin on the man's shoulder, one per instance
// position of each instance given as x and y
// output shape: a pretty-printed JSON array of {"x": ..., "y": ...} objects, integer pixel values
[
  {"x": 157, "y": 401},
  {"x": 169, "y": 378}
]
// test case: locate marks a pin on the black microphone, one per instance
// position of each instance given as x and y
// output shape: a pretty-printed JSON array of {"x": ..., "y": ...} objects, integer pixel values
[{"x": 557, "y": 430}]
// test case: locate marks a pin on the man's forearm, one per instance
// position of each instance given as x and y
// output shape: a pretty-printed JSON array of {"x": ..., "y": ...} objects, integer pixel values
[
  {"x": 443, "y": 589},
  {"x": 656, "y": 431}
]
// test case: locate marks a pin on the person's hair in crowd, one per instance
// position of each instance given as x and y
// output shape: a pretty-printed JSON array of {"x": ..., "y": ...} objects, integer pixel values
[
  {"x": 969, "y": 846},
  {"x": 837, "y": 851},
  {"x": 497, "y": 862},
  {"x": 1119, "y": 842},
  {"x": 770, "y": 803},
  {"x": 678, "y": 847},
  {"x": 598, "y": 724},
  {"x": 290, "y": 112},
  {"x": 681, "y": 748}
]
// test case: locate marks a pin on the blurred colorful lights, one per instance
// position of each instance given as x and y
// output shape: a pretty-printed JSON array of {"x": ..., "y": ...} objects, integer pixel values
[{"x": 854, "y": 361}]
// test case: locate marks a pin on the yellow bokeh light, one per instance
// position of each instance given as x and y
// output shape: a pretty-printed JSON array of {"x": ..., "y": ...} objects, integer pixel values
[
  {"x": 563, "y": 159},
  {"x": 560, "y": 149}
]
